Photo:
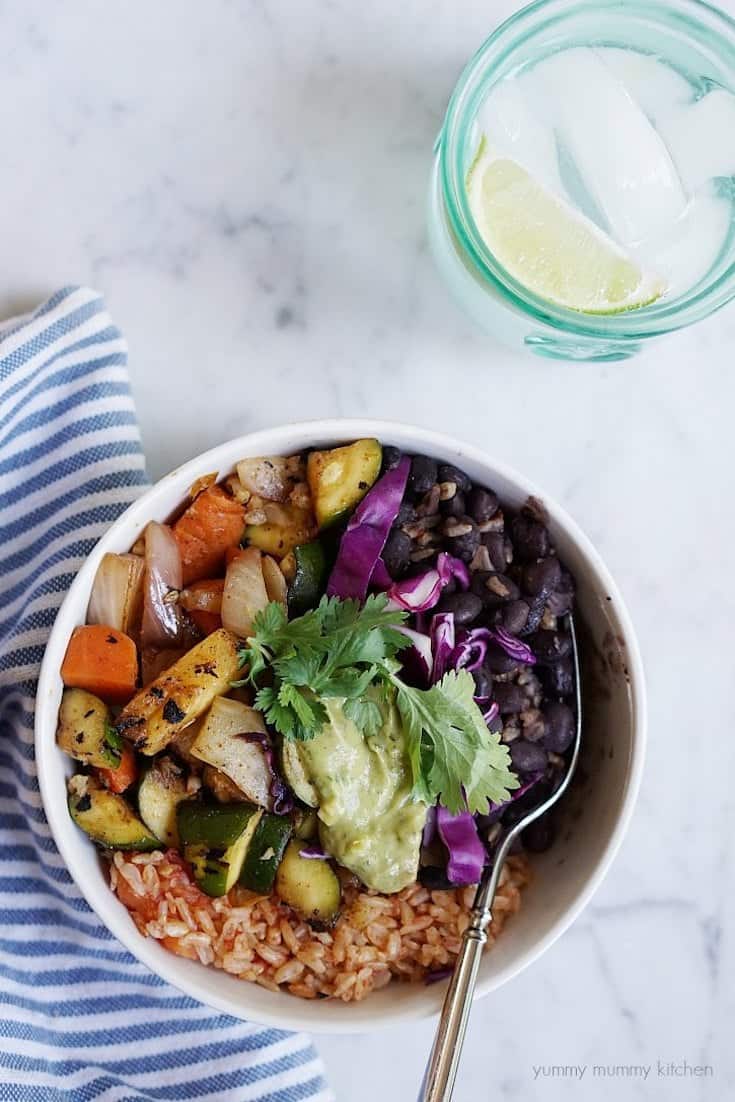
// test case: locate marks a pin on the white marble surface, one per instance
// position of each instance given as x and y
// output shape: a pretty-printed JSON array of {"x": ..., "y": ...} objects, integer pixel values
[{"x": 245, "y": 182}]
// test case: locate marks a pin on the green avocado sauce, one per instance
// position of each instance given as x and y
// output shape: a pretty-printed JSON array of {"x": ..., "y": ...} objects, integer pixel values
[{"x": 367, "y": 818}]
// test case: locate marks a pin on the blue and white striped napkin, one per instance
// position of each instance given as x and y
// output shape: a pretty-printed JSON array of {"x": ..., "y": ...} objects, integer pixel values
[{"x": 79, "y": 1017}]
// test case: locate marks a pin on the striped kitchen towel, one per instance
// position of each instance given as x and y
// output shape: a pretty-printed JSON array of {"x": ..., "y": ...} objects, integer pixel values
[{"x": 79, "y": 1017}]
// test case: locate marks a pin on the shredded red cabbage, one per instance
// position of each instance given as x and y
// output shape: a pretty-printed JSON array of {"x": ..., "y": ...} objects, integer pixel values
[
  {"x": 313, "y": 853},
  {"x": 442, "y": 641},
  {"x": 532, "y": 780},
  {"x": 471, "y": 649},
  {"x": 513, "y": 647},
  {"x": 451, "y": 567},
  {"x": 367, "y": 530},
  {"x": 422, "y": 591},
  {"x": 381, "y": 579},
  {"x": 467, "y": 855},
  {"x": 437, "y": 975},
  {"x": 280, "y": 793},
  {"x": 417, "y": 659},
  {"x": 490, "y": 713}
]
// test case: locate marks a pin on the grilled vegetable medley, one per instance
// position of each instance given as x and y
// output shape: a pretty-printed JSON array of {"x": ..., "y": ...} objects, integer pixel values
[{"x": 337, "y": 670}]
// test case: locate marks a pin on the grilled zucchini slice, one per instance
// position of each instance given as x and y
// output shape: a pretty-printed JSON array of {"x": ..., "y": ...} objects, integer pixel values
[
  {"x": 107, "y": 818},
  {"x": 85, "y": 731},
  {"x": 161, "y": 791},
  {"x": 340, "y": 478},
  {"x": 264, "y": 855},
  {"x": 216, "y": 839},
  {"x": 310, "y": 886}
]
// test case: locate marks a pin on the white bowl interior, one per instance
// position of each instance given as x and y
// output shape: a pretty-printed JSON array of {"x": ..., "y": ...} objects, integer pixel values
[{"x": 595, "y": 814}]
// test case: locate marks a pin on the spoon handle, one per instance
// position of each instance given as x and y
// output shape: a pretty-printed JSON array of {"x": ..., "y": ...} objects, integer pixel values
[{"x": 441, "y": 1073}]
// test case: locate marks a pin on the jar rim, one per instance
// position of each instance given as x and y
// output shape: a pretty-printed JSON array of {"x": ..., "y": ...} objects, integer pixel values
[{"x": 713, "y": 26}]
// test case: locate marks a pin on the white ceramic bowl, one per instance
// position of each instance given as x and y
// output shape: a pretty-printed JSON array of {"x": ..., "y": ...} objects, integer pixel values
[{"x": 597, "y": 810}]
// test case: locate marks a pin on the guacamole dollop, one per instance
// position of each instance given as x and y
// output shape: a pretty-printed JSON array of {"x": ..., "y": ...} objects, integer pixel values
[{"x": 368, "y": 820}]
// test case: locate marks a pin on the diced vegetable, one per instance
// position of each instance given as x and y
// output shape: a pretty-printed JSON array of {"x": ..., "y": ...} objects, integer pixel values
[
  {"x": 117, "y": 593},
  {"x": 180, "y": 694},
  {"x": 107, "y": 818},
  {"x": 207, "y": 622},
  {"x": 310, "y": 887},
  {"x": 367, "y": 530},
  {"x": 295, "y": 774},
  {"x": 120, "y": 777},
  {"x": 275, "y": 583},
  {"x": 161, "y": 791},
  {"x": 277, "y": 537},
  {"x": 216, "y": 838},
  {"x": 162, "y": 624},
  {"x": 204, "y": 596},
  {"x": 266, "y": 477},
  {"x": 102, "y": 660},
  {"x": 220, "y": 743},
  {"x": 244, "y": 593},
  {"x": 467, "y": 855},
  {"x": 309, "y": 578},
  {"x": 265, "y": 853},
  {"x": 340, "y": 478},
  {"x": 85, "y": 732},
  {"x": 213, "y": 522},
  {"x": 305, "y": 824}
]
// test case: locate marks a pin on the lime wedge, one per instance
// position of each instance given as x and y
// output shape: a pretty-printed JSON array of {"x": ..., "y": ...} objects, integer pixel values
[{"x": 548, "y": 246}]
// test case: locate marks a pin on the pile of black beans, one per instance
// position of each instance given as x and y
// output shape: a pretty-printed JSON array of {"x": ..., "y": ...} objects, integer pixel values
[{"x": 517, "y": 583}]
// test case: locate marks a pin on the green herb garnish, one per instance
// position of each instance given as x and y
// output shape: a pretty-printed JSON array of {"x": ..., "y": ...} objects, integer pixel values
[{"x": 347, "y": 650}]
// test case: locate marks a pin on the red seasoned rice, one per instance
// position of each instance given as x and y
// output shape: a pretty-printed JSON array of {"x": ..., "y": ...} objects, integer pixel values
[{"x": 377, "y": 938}]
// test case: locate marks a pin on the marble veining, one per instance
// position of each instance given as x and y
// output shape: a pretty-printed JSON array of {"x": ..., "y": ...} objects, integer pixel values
[{"x": 246, "y": 183}]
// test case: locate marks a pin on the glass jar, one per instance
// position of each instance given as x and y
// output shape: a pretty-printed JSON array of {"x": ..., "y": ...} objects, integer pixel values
[{"x": 694, "y": 38}]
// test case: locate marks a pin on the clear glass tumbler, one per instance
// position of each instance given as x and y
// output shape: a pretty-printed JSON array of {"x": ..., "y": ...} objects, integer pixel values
[{"x": 693, "y": 37}]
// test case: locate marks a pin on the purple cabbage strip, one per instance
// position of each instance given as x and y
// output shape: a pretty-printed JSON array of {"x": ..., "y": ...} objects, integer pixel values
[
  {"x": 490, "y": 713},
  {"x": 280, "y": 793},
  {"x": 417, "y": 659},
  {"x": 416, "y": 594},
  {"x": 437, "y": 975},
  {"x": 367, "y": 530},
  {"x": 429, "y": 831},
  {"x": 471, "y": 649},
  {"x": 451, "y": 567},
  {"x": 467, "y": 855},
  {"x": 443, "y": 642},
  {"x": 513, "y": 647},
  {"x": 313, "y": 853},
  {"x": 381, "y": 579},
  {"x": 532, "y": 780}
]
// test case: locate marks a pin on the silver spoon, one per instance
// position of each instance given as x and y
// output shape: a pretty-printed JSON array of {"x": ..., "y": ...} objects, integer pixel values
[{"x": 438, "y": 1084}]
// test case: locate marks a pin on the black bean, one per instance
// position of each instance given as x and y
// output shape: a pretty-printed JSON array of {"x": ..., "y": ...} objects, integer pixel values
[
  {"x": 494, "y": 588},
  {"x": 539, "y": 835},
  {"x": 434, "y": 878},
  {"x": 423, "y": 474},
  {"x": 497, "y": 550},
  {"x": 514, "y": 616},
  {"x": 509, "y": 697},
  {"x": 530, "y": 539},
  {"x": 449, "y": 473},
  {"x": 482, "y": 504},
  {"x": 464, "y": 544},
  {"x": 406, "y": 515},
  {"x": 550, "y": 646},
  {"x": 483, "y": 682},
  {"x": 562, "y": 599},
  {"x": 465, "y": 606},
  {"x": 396, "y": 553},
  {"x": 527, "y": 757},
  {"x": 535, "y": 614},
  {"x": 455, "y": 506},
  {"x": 561, "y": 727},
  {"x": 558, "y": 680},
  {"x": 498, "y": 661},
  {"x": 391, "y": 457},
  {"x": 542, "y": 577}
]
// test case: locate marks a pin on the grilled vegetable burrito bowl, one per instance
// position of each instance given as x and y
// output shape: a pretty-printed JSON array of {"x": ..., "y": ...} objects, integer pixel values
[{"x": 303, "y": 712}]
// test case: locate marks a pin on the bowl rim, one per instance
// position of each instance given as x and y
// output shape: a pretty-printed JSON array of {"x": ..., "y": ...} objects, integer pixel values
[{"x": 107, "y": 907}]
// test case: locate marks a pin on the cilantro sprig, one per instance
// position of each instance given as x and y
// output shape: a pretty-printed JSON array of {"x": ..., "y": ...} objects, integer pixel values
[{"x": 346, "y": 650}]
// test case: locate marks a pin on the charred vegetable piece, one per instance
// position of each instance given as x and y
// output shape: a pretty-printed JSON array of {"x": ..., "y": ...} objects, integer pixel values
[
  {"x": 309, "y": 579},
  {"x": 277, "y": 537},
  {"x": 223, "y": 743},
  {"x": 341, "y": 477},
  {"x": 296, "y": 775},
  {"x": 85, "y": 731},
  {"x": 305, "y": 824},
  {"x": 265, "y": 853},
  {"x": 266, "y": 477},
  {"x": 311, "y": 887},
  {"x": 213, "y": 522},
  {"x": 117, "y": 593},
  {"x": 275, "y": 583},
  {"x": 244, "y": 594},
  {"x": 125, "y": 773},
  {"x": 106, "y": 817},
  {"x": 180, "y": 694},
  {"x": 161, "y": 791},
  {"x": 222, "y": 788},
  {"x": 216, "y": 838},
  {"x": 102, "y": 660}
]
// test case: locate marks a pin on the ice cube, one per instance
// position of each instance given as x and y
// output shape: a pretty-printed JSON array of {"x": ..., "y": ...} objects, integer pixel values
[
  {"x": 513, "y": 129},
  {"x": 655, "y": 85},
  {"x": 618, "y": 154},
  {"x": 701, "y": 138}
]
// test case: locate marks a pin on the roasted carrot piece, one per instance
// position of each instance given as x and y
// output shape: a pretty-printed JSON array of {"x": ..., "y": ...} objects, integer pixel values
[
  {"x": 117, "y": 780},
  {"x": 213, "y": 522},
  {"x": 207, "y": 622},
  {"x": 103, "y": 661}
]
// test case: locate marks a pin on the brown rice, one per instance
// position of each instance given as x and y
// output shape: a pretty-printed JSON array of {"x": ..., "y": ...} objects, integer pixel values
[{"x": 377, "y": 938}]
